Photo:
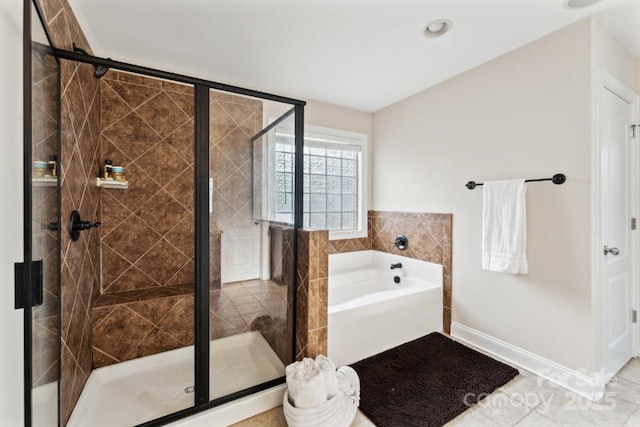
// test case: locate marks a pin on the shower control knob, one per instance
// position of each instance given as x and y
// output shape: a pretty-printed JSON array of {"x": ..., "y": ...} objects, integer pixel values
[
  {"x": 401, "y": 242},
  {"x": 613, "y": 251},
  {"x": 76, "y": 225}
]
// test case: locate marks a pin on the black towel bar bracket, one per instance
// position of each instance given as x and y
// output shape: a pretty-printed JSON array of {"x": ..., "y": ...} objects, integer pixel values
[{"x": 556, "y": 179}]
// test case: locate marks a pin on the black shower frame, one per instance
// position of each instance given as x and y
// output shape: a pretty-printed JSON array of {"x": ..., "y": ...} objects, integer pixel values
[{"x": 201, "y": 87}]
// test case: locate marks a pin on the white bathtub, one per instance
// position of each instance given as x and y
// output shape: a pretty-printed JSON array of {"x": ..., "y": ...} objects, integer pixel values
[{"x": 369, "y": 313}]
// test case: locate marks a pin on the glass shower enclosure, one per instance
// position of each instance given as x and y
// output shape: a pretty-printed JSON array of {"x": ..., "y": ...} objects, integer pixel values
[{"x": 184, "y": 297}]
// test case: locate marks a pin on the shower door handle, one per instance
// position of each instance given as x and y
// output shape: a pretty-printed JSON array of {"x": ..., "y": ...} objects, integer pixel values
[{"x": 613, "y": 251}]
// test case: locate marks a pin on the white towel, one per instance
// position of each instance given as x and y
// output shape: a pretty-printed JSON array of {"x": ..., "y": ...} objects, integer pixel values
[
  {"x": 328, "y": 369},
  {"x": 504, "y": 227},
  {"x": 338, "y": 411},
  {"x": 306, "y": 384}
]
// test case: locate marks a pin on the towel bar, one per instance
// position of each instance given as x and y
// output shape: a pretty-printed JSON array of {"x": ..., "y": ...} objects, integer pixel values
[{"x": 556, "y": 179}]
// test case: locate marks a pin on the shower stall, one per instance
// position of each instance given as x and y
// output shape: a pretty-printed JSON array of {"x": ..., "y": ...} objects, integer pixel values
[{"x": 159, "y": 276}]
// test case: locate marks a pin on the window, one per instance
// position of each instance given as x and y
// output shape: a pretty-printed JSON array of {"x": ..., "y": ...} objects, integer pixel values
[{"x": 334, "y": 177}]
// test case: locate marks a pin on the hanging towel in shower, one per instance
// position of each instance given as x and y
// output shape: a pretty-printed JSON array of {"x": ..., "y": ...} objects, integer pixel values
[{"x": 504, "y": 227}]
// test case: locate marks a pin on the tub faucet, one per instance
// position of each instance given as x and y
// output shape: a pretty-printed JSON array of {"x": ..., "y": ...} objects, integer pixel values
[{"x": 396, "y": 265}]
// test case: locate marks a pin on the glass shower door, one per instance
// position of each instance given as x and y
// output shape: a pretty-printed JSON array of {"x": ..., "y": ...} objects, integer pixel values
[
  {"x": 251, "y": 313},
  {"x": 44, "y": 263}
]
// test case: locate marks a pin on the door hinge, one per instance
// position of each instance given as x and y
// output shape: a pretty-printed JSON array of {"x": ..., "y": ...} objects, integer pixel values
[
  {"x": 634, "y": 316},
  {"x": 634, "y": 223},
  {"x": 633, "y": 130},
  {"x": 20, "y": 284}
]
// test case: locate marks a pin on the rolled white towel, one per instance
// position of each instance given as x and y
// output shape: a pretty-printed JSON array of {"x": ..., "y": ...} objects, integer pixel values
[
  {"x": 349, "y": 383},
  {"x": 328, "y": 369},
  {"x": 338, "y": 411},
  {"x": 305, "y": 384}
]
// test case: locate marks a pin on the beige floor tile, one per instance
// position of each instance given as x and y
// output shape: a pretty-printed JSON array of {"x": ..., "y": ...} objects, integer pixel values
[
  {"x": 625, "y": 389},
  {"x": 471, "y": 418},
  {"x": 503, "y": 409},
  {"x": 566, "y": 408},
  {"x": 569, "y": 409},
  {"x": 611, "y": 411},
  {"x": 361, "y": 420},
  {"x": 275, "y": 418},
  {"x": 634, "y": 420},
  {"x": 529, "y": 390},
  {"x": 631, "y": 372},
  {"x": 534, "y": 419},
  {"x": 271, "y": 418}
]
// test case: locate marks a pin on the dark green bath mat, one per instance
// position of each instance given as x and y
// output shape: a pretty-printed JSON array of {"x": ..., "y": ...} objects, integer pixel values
[{"x": 426, "y": 382}]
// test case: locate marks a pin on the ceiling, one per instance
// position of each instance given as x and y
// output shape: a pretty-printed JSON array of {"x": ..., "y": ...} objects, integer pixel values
[{"x": 361, "y": 54}]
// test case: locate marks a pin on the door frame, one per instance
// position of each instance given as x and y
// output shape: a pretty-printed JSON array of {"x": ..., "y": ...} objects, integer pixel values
[{"x": 605, "y": 80}]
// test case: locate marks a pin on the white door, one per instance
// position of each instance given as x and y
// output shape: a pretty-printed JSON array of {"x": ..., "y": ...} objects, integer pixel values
[
  {"x": 241, "y": 253},
  {"x": 616, "y": 203}
]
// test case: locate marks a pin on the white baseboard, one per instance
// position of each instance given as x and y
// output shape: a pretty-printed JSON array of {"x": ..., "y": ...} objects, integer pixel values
[{"x": 578, "y": 382}]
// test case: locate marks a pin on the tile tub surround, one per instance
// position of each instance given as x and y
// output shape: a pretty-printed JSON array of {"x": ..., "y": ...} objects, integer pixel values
[
  {"x": 429, "y": 236},
  {"x": 80, "y": 261},
  {"x": 283, "y": 274},
  {"x": 312, "y": 293}
]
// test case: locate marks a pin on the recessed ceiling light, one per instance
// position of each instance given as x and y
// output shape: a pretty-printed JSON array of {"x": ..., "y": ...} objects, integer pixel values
[
  {"x": 578, "y": 4},
  {"x": 437, "y": 28}
]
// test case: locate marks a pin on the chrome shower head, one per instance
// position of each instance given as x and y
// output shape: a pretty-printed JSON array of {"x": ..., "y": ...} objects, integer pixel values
[{"x": 100, "y": 71}]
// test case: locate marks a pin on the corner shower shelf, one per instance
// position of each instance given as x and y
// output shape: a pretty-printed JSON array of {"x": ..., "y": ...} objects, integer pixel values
[
  {"x": 45, "y": 182},
  {"x": 119, "y": 185}
]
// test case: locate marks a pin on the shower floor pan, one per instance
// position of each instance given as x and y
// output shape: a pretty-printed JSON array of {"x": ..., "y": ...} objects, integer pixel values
[{"x": 139, "y": 390}]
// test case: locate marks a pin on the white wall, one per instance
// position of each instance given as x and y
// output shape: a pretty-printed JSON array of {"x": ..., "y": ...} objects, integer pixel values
[
  {"x": 525, "y": 114},
  {"x": 611, "y": 56},
  {"x": 11, "y": 325}
]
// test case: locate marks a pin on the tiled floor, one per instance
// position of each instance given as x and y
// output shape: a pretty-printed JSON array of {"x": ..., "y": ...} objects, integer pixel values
[
  {"x": 237, "y": 305},
  {"x": 528, "y": 401}
]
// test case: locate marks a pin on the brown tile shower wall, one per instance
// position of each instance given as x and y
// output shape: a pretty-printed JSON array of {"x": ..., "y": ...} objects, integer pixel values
[
  {"x": 429, "y": 238},
  {"x": 133, "y": 324},
  {"x": 80, "y": 260},
  {"x": 147, "y": 127},
  {"x": 283, "y": 274},
  {"x": 312, "y": 293}
]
